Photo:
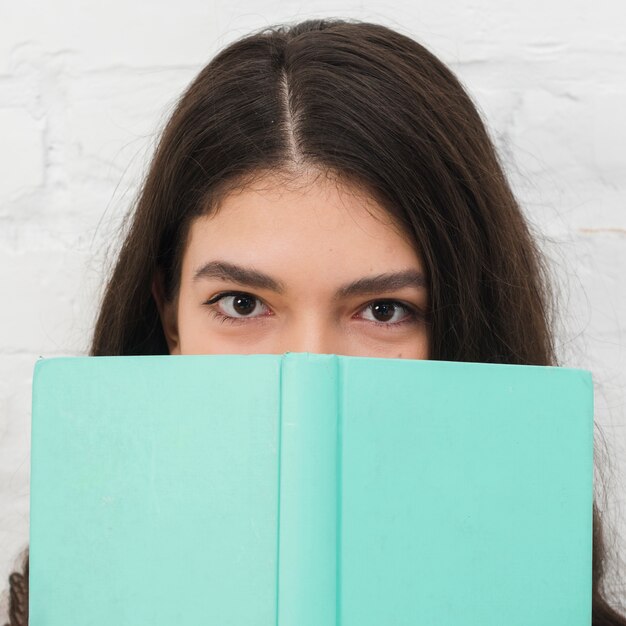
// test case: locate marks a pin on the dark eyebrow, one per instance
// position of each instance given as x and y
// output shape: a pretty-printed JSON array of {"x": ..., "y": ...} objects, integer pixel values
[
  {"x": 238, "y": 274},
  {"x": 382, "y": 282},
  {"x": 363, "y": 286}
]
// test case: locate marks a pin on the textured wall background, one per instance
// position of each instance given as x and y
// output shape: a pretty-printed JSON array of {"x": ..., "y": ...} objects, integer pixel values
[{"x": 85, "y": 89}]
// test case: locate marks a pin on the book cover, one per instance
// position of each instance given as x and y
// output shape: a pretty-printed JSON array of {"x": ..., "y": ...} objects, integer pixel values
[{"x": 309, "y": 490}]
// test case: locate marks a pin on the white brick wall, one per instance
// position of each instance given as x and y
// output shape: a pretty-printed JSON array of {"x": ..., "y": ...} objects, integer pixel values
[{"x": 85, "y": 89}]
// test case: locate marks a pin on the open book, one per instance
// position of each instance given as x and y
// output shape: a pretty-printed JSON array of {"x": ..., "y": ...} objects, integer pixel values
[{"x": 309, "y": 490}]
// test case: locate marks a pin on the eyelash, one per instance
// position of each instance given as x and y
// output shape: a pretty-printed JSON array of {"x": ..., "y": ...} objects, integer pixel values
[{"x": 414, "y": 314}]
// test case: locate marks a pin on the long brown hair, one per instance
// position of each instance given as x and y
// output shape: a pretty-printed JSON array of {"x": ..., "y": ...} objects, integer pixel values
[{"x": 363, "y": 102}]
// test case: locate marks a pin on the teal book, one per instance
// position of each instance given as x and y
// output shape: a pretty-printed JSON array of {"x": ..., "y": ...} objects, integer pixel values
[{"x": 309, "y": 490}]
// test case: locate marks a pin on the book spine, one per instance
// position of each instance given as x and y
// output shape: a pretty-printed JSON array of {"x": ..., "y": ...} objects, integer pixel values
[{"x": 309, "y": 492}]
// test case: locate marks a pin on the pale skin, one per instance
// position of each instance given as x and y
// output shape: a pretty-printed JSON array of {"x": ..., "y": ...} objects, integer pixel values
[{"x": 309, "y": 249}]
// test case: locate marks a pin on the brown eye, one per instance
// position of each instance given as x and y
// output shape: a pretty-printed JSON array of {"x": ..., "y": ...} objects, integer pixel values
[
  {"x": 390, "y": 313},
  {"x": 235, "y": 305},
  {"x": 244, "y": 304},
  {"x": 383, "y": 311}
]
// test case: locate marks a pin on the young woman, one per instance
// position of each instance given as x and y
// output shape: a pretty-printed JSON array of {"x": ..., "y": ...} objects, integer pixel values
[{"x": 329, "y": 187}]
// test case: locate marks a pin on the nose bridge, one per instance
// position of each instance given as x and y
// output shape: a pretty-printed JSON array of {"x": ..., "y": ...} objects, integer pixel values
[{"x": 311, "y": 334}]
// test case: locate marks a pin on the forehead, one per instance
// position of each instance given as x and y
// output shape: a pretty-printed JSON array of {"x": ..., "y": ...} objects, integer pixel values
[{"x": 313, "y": 221}]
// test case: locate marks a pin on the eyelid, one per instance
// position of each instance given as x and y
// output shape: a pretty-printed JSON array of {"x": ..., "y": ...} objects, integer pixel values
[
  {"x": 225, "y": 294},
  {"x": 410, "y": 311}
]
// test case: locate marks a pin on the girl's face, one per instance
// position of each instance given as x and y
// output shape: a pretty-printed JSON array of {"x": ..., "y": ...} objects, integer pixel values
[{"x": 303, "y": 268}]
